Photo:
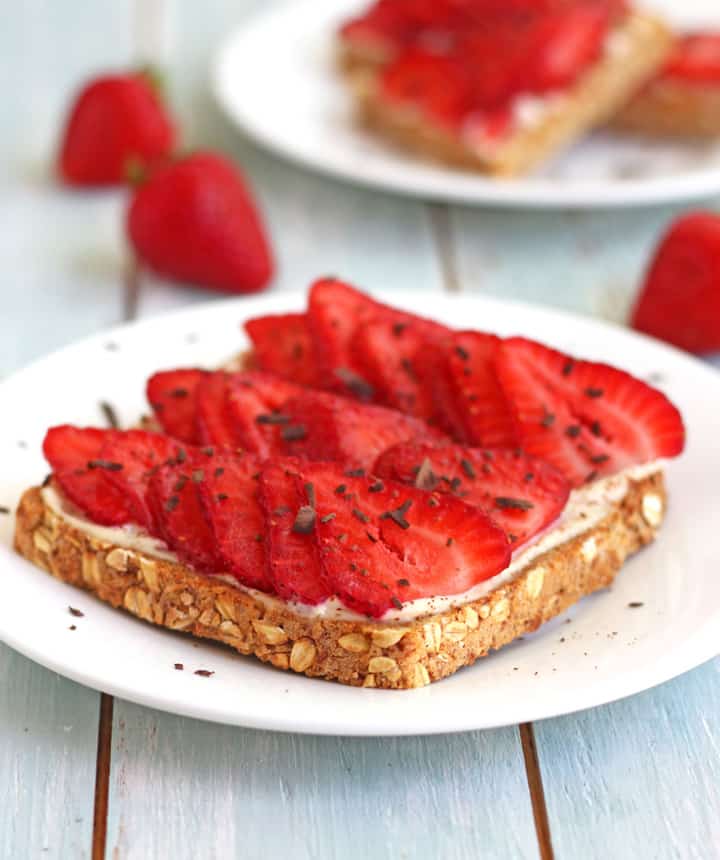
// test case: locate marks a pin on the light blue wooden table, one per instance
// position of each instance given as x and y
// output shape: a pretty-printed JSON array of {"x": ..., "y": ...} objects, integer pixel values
[{"x": 83, "y": 775}]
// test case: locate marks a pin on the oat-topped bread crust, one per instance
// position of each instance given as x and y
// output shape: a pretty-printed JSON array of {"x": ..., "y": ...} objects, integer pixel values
[
  {"x": 597, "y": 95},
  {"x": 358, "y": 653},
  {"x": 670, "y": 108}
]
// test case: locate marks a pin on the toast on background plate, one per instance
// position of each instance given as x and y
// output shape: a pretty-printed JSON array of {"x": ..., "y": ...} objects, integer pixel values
[
  {"x": 433, "y": 495},
  {"x": 683, "y": 100},
  {"x": 497, "y": 87}
]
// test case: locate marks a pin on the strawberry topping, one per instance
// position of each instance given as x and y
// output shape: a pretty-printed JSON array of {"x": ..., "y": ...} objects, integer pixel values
[
  {"x": 696, "y": 59},
  {"x": 521, "y": 494},
  {"x": 173, "y": 397},
  {"x": 587, "y": 419}
]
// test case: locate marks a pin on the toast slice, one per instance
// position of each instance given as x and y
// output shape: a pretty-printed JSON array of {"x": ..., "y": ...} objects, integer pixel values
[
  {"x": 400, "y": 654},
  {"x": 635, "y": 50}
]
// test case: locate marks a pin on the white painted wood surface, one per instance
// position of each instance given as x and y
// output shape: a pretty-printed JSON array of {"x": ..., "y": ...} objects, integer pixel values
[{"x": 635, "y": 779}]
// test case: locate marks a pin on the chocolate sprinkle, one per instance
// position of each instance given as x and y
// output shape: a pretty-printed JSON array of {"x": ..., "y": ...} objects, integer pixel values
[
  {"x": 455, "y": 484},
  {"x": 72, "y": 627},
  {"x": 398, "y": 515},
  {"x": 340, "y": 489},
  {"x": 595, "y": 428},
  {"x": 371, "y": 537},
  {"x": 104, "y": 464},
  {"x": 462, "y": 353},
  {"x": 172, "y": 503},
  {"x": 359, "y": 386},
  {"x": 180, "y": 483},
  {"x": 218, "y": 471},
  {"x": 568, "y": 367},
  {"x": 328, "y": 517},
  {"x": 398, "y": 329},
  {"x": 515, "y": 504},
  {"x": 396, "y": 602},
  {"x": 600, "y": 458},
  {"x": 76, "y": 613},
  {"x": 110, "y": 414},
  {"x": 594, "y": 392},
  {"x": 304, "y": 521},
  {"x": 403, "y": 583},
  {"x": 467, "y": 467},
  {"x": 573, "y": 430},
  {"x": 377, "y": 487},
  {"x": 359, "y": 515},
  {"x": 273, "y": 418},
  {"x": 179, "y": 667},
  {"x": 636, "y": 604},
  {"x": 203, "y": 673},
  {"x": 294, "y": 432}
]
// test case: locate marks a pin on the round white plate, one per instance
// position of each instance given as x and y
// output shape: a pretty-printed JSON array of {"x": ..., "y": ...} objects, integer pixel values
[
  {"x": 600, "y": 651},
  {"x": 275, "y": 78}
]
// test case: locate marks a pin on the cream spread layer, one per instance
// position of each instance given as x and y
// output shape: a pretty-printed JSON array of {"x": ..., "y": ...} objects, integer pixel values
[{"x": 586, "y": 508}]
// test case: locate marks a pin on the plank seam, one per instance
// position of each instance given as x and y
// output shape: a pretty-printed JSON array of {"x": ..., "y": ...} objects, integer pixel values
[
  {"x": 441, "y": 228},
  {"x": 102, "y": 777},
  {"x": 537, "y": 792}
]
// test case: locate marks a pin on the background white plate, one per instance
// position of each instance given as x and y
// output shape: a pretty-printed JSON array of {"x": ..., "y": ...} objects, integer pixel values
[
  {"x": 601, "y": 651},
  {"x": 275, "y": 78}
]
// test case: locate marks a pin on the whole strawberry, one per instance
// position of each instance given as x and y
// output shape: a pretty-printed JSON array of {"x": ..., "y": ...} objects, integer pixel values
[
  {"x": 680, "y": 299},
  {"x": 195, "y": 220},
  {"x": 115, "y": 120}
]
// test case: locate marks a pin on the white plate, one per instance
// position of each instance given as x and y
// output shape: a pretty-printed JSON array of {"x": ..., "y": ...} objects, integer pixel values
[
  {"x": 609, "y": 650},
  {"x": 275, "y": 78}
]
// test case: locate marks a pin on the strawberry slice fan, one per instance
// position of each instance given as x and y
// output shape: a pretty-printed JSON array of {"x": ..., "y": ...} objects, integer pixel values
[{"x": 314, "y": 493}]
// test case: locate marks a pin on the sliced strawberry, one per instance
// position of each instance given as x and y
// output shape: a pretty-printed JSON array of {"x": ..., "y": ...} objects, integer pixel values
[
  {"x": 696, "y": 59},
  {"x": 292, "y": 554},
  {"x": 521, "y": 494},
  {"x": 479, "y": 401},
  {"x": 228, "y": 493},
  {"x": 74, "y": 456},
  {"x": 323, "y": 426},
  {"x": 434, "y": 374},
  {"x": 282, "y": 345},
  {"x": 335, "y": 311},
  {"x": 382, "y": 544},
  {"x": 680, "y": 300},
  {"x": 585, "y": 418},
  {"x": 173, "y": 397},
  {"x": 254, "y": 401},
  {"x": 389, "y": 355},
  {"x": 214, "y": 422},
  {"x": 131, "y": 457},
  {"x": 178, "y": 515}
]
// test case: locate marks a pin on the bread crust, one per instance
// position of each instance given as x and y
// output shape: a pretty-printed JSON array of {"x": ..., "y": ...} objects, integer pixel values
[
  {"x": 598, "y": 94},
  {"x": 358, "y": 653},
  {"x": 673, "y": 108}
]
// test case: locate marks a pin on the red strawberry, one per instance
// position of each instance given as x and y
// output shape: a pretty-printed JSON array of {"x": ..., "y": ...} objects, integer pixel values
[
  {"x": 335, "y": 311},
  {"x": 521, "y": 494},
  {"x": 228, "y": 492},
  {"x": 696, "y": 59},
  {"x": 389, "y": 355},
  {"x": 178, "y": 515},
  {"x": 195, "y": 220},
  {"x": 479, "y": 402},
  {"x": 587, "y": 419},
  {"x": 254, "y": 401},
  {"x": 680, "y": 300},
  {"x": 383, "y": 544},
  {"x": 282, "y": 345},
  {"x": 173, "y": 397},
  {"x": 114, "y": 120},
  {"x": 74, "y": 456},
  {"x": 214, "y": 422},
  {"x": 326, "y": 427},
  {"x": 130, "y": 458},
  {"x": 292, "y": 555}
]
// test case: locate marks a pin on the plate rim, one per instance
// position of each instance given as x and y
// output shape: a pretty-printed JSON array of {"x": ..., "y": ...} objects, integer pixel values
[
  {"x": 694, "y": 650},
  {"x": 525, "y": 193}
]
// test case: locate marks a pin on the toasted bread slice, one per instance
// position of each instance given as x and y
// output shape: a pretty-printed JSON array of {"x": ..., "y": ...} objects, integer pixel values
[
  {"x": 636, "y": 49},
  {"x": 672, "y": 108},
  {"x": 399, "y": 654}
]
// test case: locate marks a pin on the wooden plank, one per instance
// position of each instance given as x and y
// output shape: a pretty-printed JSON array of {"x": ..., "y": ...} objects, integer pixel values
[
  {"x": 638, "y": 778},
  {"x": 48, "y": 728},
  {"x": 183, "y": 788}
]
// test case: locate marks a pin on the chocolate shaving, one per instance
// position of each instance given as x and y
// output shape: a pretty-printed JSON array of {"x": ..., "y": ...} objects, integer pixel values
[
  {"x": 514, "y": 504},
  {"x": 548, "y": 418},
  {"x": 396, "y": 602},
  {"x": 600, "y": 458},
  {"x": 218, "y": 471},
  {"x": 398, "y": 329},
  {"x": 455, "y": 484},
  {"x": 529, "y": 476},
  {"x": 360, "y": 387},
  {"x": 398, "y": 515},
  {"x": 425, "y": 479},
  {"x": 355, "y": 473},
  {"x": 179, "y": 666},
  {"x": 197, "y": 475},
  {"x": 467, "y": 467},
  {"x": 281, "y": 511},
  {"x": 359, "y": 515},
  {"x": 208, "y": 452},
  {"x": 450, "y": 541},
  {"x": 305, "y": 520},
  {"x": 180, "y": 483},
  {"x": 433, "y": 502},
  {"x": 46, "y": 479},
  {"x": 595, "y": 428},
  {"x": 76, "y": 613},
  {"x": 72, "y": 627},
  {"x": 371, "y": 537},
  {"x": 568, "y": 367},
  {"x": 328, "y": 517},
  {"x": 221, "y": 497},
  {"x": 203, "y": 673},
  {"x": 4, "y": 510},
  {"x": 178, "y": 392},
  {"x": 110, "y": 414},
  {"x": 573, "y": 430},
  {"x": 172, "y": 503},
  {"x": 406, "y": 365},
  {"x": 259, "y": 538},
  {"x": 340, "y": 489},
  {"x": 293, "y": 432},
  {"x": 635, "y": 604},
  {"x": 273, "y": 418},
  {"x": 403, "y": 583},
  {"x": 594, "y": 392},
  {"x": 104, "y": 464},
  {"x": 462, "y": 353},
  {"x": 377, "y": 487},
  {"x": 310, "y": 493}
]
